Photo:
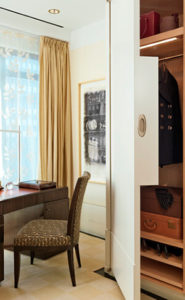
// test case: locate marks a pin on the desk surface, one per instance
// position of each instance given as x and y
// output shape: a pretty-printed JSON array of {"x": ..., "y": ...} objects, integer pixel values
[
  {"x": 15, "y": 192},
  {"x": 18, "y": 192},
  {"x": 17, "y": 198}
]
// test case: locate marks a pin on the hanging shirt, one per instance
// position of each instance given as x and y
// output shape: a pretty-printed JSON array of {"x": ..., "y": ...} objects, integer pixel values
[{"x": 170, "y": 124}]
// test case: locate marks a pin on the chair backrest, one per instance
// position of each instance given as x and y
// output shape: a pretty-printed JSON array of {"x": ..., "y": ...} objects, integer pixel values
[{"x": 73, "y": 227}]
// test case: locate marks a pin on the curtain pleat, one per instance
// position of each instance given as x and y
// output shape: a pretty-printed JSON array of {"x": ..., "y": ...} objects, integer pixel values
[{"x": 56, "y": 162}]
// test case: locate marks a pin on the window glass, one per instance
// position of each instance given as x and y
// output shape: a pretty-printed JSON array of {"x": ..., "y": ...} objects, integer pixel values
[{"x": 19, "y": 105}]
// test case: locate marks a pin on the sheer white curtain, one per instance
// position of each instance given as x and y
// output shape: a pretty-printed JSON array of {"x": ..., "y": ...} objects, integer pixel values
[{"x": 19, "y": 104}]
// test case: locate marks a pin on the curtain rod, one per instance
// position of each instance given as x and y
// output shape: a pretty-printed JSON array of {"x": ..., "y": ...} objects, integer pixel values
[
  {"x": 27, "y": 16},
  {"x": 170, "y": 57}
]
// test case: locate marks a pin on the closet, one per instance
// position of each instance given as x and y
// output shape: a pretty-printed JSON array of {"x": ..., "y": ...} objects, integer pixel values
[{"x": 160, "y": 268}]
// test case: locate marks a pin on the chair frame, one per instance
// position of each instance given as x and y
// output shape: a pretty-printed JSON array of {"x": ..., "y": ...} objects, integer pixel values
[{"x": 70, "y": 232}]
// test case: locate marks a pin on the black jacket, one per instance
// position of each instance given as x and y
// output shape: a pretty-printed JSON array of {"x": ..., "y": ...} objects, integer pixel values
[{"x": 170, "y": 124}]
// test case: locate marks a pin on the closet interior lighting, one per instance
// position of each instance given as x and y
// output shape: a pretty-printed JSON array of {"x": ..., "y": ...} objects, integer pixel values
[{"x": 158, "y": 43}]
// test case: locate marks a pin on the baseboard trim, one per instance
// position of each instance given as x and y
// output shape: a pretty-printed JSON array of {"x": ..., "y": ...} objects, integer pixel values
[
  {"x": 152, "y": 295},
  {"x": 93, "y": 235}
]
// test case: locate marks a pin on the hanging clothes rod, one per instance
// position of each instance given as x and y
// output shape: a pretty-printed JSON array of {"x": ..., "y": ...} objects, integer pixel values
[{"x": 171, "y": 57}]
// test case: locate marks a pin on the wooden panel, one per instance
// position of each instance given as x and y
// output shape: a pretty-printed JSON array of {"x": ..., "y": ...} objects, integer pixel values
[
  {"x": 162, "y": 239},
  {"x": 172, "y": 260},
  {"x": 165, "y": 7},
  {"x": 162, "y": 272},
  {"x": 171, "y": 175},
  {"x": 158, "y": 282}
]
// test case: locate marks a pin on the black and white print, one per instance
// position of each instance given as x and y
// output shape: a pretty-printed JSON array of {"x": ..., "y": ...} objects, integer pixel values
[{"x": 93, "y": 129}]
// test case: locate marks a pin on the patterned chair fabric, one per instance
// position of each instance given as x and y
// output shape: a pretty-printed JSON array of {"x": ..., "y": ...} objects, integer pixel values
[{"x": 43, "y": 233}]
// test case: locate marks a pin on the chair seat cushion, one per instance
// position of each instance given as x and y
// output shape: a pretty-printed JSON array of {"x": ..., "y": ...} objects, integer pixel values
[{"x": 43, "y": 233}]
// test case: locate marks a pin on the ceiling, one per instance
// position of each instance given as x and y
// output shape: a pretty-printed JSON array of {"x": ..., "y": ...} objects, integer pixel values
[{"x": 74, "y": 13}]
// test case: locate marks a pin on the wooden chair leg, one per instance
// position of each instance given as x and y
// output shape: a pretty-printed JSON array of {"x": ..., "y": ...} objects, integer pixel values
[
  {"x": 16, "y": 267},
  {"x": 32, "y": 255},
  {"x": 78, "y": 255},
  {"x": 71, "y": 265}
]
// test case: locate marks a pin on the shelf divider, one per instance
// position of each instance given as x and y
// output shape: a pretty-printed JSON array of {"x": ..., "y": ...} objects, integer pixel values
[
  {"x": 162, "y": 272},
  {"x": 171, "y": 260},
  {"x": 162, "y": 239}
]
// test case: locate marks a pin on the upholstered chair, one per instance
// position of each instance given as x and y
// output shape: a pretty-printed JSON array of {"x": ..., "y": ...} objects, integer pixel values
[{"x": 44, "y": 234}]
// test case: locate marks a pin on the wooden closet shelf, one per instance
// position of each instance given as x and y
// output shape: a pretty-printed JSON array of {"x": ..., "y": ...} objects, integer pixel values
[
  {"x": 162, "y": 283},
  {"x": 162, "y": 239},
  {"x": 178, "y": 32},
  {"x": 172, "y": 260},
  {"x": 162, "y": 272},
  {"x": 166, "y": 49}
]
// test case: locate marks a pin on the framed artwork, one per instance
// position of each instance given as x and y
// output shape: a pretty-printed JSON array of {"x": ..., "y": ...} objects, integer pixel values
[{"x": 92, "y": 124}]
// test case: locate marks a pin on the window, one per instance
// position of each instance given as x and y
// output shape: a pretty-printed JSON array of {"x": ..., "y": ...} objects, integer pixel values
[{"x": 19, "y": 105}]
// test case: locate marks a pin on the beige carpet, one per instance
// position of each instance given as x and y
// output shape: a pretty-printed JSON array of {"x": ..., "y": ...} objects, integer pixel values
[{"x": 50, "y": 280}]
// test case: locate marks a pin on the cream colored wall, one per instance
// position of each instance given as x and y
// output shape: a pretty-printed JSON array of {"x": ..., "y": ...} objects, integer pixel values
[{"x": 88, "y": 62}]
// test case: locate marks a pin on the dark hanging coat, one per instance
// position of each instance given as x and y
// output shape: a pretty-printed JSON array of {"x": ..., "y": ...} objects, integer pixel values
[{"x": 170, "y": 124}]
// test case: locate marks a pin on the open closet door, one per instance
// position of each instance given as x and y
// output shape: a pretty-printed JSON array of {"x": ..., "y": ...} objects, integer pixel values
[{"x": 133, "y": 159}]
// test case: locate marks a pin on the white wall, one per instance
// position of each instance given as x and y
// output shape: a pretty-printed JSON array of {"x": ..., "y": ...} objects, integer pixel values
[{"x": 88, "y": 62}]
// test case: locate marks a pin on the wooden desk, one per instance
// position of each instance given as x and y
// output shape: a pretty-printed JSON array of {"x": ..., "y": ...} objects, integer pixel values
[{"x": 56, "y": 206}]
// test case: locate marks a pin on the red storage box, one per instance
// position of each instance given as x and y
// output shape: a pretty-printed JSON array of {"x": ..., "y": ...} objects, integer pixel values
[{"x": 149, "y": 24}]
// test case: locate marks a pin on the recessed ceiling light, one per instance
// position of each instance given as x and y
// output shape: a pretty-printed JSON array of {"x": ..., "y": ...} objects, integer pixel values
[{"x": 54, "y": 11}]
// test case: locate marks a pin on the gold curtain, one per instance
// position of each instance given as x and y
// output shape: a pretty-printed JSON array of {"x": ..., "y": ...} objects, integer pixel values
[{"x": 55, "y": 113}]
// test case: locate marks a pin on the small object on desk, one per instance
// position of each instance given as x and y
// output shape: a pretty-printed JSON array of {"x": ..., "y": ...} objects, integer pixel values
[
  {"x": 1, "y": 187},
  {"x": 9, "y": 186},
  {"x": 37, "y": 184}
]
